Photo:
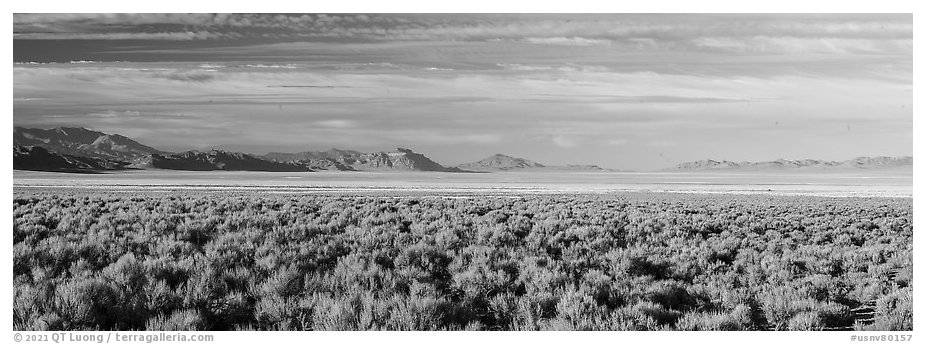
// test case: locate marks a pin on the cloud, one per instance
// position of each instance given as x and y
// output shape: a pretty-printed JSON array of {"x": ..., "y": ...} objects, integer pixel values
[
  {"x": 119, "y": 18},
  {"x": 627, "y": 30},
  {"x": 167, "y": 36},
  {"x": 617, "y": 142},
  {"x": 337, "y": 123},
  {"x": 261, "y": 65},
  {"x": 562, "y": 67},
  {"x": 429, "y": 137},
  {"x": 575, "y": 41},
  {"x": 565, "y": 141},
  {"x": 790, "y": 45},
  {"x": 661, "y": 143}
]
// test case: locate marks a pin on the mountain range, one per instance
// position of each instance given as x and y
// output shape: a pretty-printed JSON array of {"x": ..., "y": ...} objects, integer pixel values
[
  {"x": 215, "y": 160},
  {"x": 37, "y": 158},
  {"x": 402, "y": 159},
  {"x": 68, "y": 149},
  {"x": 784, "y": 164},
  {"x": 501, "y": 162},
  {"x": 83, "y": 142},
  {"x": 80, "y": 149}
]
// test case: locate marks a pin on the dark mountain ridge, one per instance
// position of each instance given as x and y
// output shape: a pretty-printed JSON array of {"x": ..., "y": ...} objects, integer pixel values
[
  {"x": 36, "y": 158},
  {"x": 217, "y": 160}
]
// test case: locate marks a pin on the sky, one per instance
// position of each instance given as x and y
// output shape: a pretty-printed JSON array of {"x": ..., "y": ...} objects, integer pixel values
[{"x": 626, "y": 91}]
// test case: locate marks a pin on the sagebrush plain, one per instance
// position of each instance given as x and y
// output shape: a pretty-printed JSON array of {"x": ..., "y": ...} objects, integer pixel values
[{"x": 248, "y": 259}]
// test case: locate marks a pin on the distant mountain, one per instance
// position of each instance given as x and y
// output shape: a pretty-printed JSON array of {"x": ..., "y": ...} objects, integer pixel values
[
  {"x": 401, "y": 159},
  {"x": 36, "y": 158},
  {"x": 68, "y": 143},
  {"x": 216, "y": 160},
  {"x": 329, "y": 154},
  {"x": 501, "y": 162},
  {"x": 83, "y": 142},
  {"x": 581, "y": 168},
  {"x": 881, "y": 161},
  {"x": 783, "y": 164},
  {"x": 706, "y": 164},
  {"x": 327, "y": 160}
]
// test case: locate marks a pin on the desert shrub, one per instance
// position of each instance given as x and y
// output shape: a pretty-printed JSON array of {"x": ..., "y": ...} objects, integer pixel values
[
  {"x": 86, "y": 304},
  {"x": 424, "y": 309},
  {"x": 182, "y": 320},
  {"x": 737, "y": 319},
  {"x": 636, "y": 317},
  {"x": 785, "y": 308},
  {"x": 161, "y": 298},
  {"x": 345, "y": 313},
  {"x": 805, "y": 321},
  {"x": 577, "y": 310},
  {"x": 657, "y": 312},
  {"x": 894, "y": 312},
  {"x": 29, "y": 307},
  {"x": 671, "y": 295},
  {"x": 239, "y": 260},
  {"x": 277, "y": 313},
  {"x": 284, "y": 282},
  {"x": 533, "y": 310}
]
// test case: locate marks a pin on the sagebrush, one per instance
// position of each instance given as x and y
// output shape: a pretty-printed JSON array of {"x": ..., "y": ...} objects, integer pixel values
[{"x": 228, "y": 261}]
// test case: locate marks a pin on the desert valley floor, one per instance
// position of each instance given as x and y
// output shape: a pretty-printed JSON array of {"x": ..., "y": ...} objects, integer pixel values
[{"x": 816, "y": 183}]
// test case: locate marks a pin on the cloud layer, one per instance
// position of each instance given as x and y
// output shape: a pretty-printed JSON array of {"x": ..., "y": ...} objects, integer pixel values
[{"x": 543, "y": 29}]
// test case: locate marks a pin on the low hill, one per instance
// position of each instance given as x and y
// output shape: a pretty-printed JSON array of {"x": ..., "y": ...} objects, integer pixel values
[
  {"x": 880, "y": 162},
  {"x": 500, "y": 162},
  {"x": 580, "y": 168}
]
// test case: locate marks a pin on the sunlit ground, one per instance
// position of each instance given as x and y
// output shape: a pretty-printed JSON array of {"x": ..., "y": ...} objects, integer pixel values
[{"x": 872, "y": 183}]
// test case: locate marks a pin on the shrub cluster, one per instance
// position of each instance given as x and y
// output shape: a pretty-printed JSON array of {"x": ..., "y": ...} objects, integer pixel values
[{"x": 228, "y": 261}]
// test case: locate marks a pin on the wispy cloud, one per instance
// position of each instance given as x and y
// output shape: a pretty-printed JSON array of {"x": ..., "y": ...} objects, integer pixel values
[
  {"x": 167, "y": 36},
  {"x": 542, "y": 29},
  {"x": 567, "y": 41},
  {"x": 337, "y": 123},
  {"x": 565, "y": 141},
  {"x": 616, "y": 142},
  {"x": 786, "y": 45}
]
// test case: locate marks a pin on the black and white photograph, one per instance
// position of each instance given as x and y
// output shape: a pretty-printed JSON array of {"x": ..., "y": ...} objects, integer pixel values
[{"x": 195, "y": 173}]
